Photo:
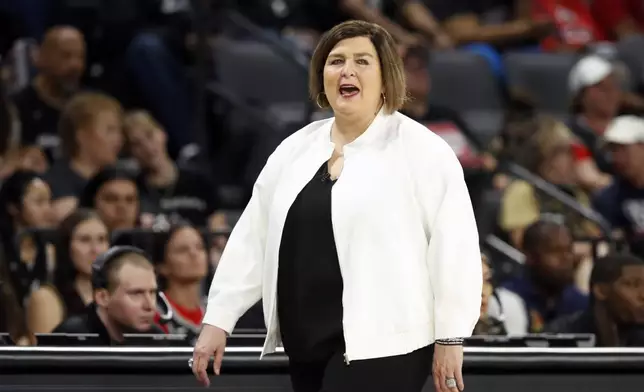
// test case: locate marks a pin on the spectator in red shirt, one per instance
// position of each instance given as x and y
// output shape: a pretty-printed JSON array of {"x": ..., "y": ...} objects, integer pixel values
[
  {"x": 619, "y": 18},
  {"x": 575, "y": 25},
  {"x": 182, "y": 265}
]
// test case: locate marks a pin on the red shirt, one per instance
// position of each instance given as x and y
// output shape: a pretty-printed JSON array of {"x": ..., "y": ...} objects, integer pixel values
[
  {"x": 610, "y": 13},
  {"x": 576, "y": 26}
]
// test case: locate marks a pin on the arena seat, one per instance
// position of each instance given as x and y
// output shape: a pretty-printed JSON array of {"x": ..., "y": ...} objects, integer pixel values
[
  {"x": 262, "y": 77},
  {"x": 544, "y": 76},
  {"x": 464, "y": 82}
]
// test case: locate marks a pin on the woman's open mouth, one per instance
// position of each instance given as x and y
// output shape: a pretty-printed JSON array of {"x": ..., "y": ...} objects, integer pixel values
[{"x": 349, "y": 90}]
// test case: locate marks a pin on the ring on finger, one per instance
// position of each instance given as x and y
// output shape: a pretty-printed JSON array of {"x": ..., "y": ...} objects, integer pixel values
[
  {"x": 450, "y": 382},
  {"x": 191, "y": 362}
]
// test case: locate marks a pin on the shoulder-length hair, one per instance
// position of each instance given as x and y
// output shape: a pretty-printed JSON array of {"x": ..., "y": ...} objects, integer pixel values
[
  {"x": 65, "y": 272},
  {"x": 392, "y": 69}
]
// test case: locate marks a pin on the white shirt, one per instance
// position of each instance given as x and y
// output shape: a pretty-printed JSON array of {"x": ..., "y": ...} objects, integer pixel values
[{"x": 405, "y": 234}]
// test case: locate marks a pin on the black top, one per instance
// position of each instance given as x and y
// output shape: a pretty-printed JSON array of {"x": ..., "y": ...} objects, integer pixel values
[
  {"x": 309, "y": 284},
  {"x": 65, "y": 181},
  {"x": 193, "y": 198},
  {"x": 88, "y": 322},
  {"x": 39, "y": 121}
]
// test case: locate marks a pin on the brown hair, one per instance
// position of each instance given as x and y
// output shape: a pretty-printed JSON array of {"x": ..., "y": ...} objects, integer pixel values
[
  {"x": 81, "y": 111},
  {"x": 114, "y": 267},
  {"x": 393, "y": 74},
  {"x": 551, "y": 134}
]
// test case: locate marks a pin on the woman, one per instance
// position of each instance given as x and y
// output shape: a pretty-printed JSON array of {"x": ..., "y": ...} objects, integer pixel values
[
  {"x": 82, "y": 237},
  {"x": 369, "y": 219},
  {"x": 548, "y": 153},
  {"x": 25, "y": 203},
  {"x": 182, "y": 267},
  {"x": 114, "y": 194}
]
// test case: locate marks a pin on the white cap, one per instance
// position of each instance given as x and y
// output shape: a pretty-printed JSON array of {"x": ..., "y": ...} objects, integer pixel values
[
  {"x": 588, "y": 71},
  {"x": 625, "y": 130}
]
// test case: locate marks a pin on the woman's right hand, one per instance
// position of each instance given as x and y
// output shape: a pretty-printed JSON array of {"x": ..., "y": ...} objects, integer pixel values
[{"x": 211, "y": 342}]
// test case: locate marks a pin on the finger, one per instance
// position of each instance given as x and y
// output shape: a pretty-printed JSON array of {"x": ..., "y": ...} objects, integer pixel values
[
  {"x": 451, "y": 376},
  {"x": 200, "y": 369},
  {"x": 438, "y": 387},
  {"x": 219, "y": 355},
  {"x": 440, "y": 378},
  {"x": 459, "y": 379}
]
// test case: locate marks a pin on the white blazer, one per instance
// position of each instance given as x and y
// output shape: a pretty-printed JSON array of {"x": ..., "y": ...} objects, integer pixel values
[{"x": 405, "y": 233}]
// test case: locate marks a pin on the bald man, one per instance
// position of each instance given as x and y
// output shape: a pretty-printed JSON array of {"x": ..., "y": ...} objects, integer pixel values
[{"x": 60, "y": 61}]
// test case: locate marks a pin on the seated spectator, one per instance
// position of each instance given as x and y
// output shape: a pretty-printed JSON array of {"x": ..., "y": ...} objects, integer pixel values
[
  {"x": 82, "y": 237},
  {"x": 182, "y": 265},
  {"x": 125, "y": 299},
  {"x": 115, "y": 195},
  {"x": 619, "y": 18},
  {"x": 12, "y": 318},
  {"x": 491, "y": 27},
  {"x": 622, "y": 203},
  {"x": 488, "y": 324},
  {"x": 498, "y": 23},
  {"x": 61, "y": 63},
  {"x": 549, "y": 155},
  {"x": 575, "y": 25},
  {"x": 418, "y": 26},
  {"x": 25, "y": 203},
  {"x": 91, "y": 137},
  {"x": 616, "y": 312},
  {"x": 546, "y": 286},
  {"x": 597, "y": 99},
  {"x": 171, "y": 193}
]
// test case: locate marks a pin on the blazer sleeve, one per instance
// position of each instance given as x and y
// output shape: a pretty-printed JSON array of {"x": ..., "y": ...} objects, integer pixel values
[
  {"x": 454, "y": 257},
  {"x": 237, "y": 283}
]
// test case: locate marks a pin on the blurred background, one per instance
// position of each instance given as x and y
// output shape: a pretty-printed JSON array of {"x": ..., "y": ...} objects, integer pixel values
[{"x": 146, "y": 122}]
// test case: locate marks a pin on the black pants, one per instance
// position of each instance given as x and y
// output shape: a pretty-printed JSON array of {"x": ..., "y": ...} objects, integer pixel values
[{"x": 401, "y": 373}]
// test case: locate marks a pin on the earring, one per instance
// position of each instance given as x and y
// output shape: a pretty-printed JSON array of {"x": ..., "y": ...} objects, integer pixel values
[{"x": 317, "y": 100}]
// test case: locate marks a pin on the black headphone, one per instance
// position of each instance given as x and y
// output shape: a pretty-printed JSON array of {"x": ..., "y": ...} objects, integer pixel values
[{"x": 99, "y": 266}]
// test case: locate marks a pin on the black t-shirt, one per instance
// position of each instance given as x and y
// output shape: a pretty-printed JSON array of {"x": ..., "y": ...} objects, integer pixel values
[
  {"x": 192, "y": 198},
  {"x": 64, "y": 181},
  {"x": 39, "y": 121}
]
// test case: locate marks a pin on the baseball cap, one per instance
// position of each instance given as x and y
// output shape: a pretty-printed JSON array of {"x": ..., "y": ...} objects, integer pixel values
[
  {"x": 588, "y": 71},
  {"x": 625, "y": 130}
]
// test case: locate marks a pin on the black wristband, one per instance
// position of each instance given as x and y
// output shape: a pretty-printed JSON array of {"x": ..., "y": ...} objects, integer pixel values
[{"x": 450, "y": 341}]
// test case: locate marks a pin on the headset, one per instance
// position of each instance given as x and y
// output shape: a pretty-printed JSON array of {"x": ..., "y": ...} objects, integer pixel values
[
  {"x": 99, "y": 266},
  {"x": 100, "y": 279}
]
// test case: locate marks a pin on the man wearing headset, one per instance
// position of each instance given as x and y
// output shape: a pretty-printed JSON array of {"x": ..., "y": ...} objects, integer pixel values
[{"x": 125, "y": 297}]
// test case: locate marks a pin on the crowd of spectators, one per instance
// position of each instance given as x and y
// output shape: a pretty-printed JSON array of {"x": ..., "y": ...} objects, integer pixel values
[{"x": 100, "y": 147}]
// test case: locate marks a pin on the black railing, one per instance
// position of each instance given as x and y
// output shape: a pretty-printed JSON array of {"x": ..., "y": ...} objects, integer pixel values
[{"x": 565, "y": 199}]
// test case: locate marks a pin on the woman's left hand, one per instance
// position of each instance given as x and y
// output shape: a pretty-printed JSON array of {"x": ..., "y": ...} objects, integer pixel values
[{"x": 448, "y": 364}]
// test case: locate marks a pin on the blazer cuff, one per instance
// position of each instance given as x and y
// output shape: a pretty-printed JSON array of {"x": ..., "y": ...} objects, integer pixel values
[{"x": 220, "y": 318}]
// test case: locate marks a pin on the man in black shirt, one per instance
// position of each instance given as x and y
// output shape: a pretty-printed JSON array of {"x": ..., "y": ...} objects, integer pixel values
[
  {"x": 61, "y": 63},
  {"x": 616, "y": 314},
  {"x": 125, "y": 298}
]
